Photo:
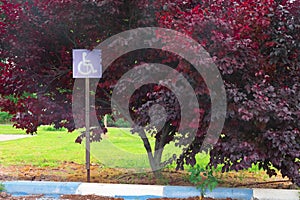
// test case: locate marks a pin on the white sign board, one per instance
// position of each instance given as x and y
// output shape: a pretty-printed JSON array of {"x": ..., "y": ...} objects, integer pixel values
[{"x": 86, "y": 63}]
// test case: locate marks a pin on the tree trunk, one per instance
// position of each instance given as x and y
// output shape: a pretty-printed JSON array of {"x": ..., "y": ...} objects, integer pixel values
[{"x": 153, "y": 160}]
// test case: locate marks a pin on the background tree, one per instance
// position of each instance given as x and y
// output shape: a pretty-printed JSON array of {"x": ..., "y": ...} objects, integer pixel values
[
  {"x": 256, "y": 47},
  {"x": 36, "y": 41}
]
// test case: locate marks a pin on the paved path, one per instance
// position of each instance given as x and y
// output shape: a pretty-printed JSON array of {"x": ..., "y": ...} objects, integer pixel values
[{"x": 4, "y": 137}]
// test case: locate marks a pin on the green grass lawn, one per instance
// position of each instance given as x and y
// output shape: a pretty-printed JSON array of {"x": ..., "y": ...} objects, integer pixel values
[
  {"x": 120, "y": 148},
  {"x": 8, "y": 129},
  {"x": 47, "y": 148},
  {"x": 50, "y": 147}
]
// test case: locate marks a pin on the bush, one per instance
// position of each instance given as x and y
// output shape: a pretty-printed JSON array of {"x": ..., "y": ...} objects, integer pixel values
[
  {"x": 5, "y": 117},
  {"x": 51, "y": 128},
  {"x": 2, "y": 188},
  {"x": 117, "y": 123}
]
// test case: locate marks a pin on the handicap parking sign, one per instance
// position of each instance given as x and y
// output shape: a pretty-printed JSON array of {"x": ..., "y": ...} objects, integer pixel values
[{"x": 86, "y": 63}]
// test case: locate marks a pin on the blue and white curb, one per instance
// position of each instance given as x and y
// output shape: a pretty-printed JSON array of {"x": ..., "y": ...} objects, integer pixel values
[
  {"x": 266, "y": 194},
  {"x": 120, "y": 189},
  {"x": 182, "y": 192},
  {"x": 141, "y": 192},
  {"x": 50, "y": 189}
]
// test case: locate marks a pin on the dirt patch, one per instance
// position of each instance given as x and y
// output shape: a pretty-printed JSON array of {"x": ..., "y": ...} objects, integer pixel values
[
  {"x": 94, "y": 197},
  {"x": 85, "y": 197},
  {"x": 70, "y": 197},
  {"x": 6, "y": 196}
]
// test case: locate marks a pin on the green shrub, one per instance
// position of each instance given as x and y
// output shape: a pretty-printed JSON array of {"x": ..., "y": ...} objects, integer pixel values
[
  {"x": 117, "y": 123},
  {"x": 110, "y": 121},
  {"x": 52, "y": 128},
  {"x": 2, "y": 187},
  {"x": 121, "y": 123},
  {"x": 5, "y": 117}
]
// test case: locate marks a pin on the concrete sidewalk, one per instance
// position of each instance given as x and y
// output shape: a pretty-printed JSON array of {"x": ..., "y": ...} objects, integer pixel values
[
  {"x": 141, "y": 192},
  {"x": 6, "y": 137}
]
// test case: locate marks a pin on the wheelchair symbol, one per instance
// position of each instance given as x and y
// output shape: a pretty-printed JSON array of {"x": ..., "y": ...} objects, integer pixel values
[{"x": 85, "y": 67}]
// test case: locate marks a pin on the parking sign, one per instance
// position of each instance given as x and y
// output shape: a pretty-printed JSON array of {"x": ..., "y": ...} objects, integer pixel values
[{"x": 86, "y": 63}]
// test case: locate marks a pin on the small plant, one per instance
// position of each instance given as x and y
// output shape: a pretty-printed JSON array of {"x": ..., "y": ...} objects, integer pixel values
[
  {"x": 203, "y": 178},
  {"x": 2, "y": 188}
]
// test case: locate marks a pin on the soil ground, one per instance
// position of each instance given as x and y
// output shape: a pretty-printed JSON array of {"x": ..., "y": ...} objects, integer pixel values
[
  {"x": 94, "y": 197},
  {"x": 65, "y": 197}
]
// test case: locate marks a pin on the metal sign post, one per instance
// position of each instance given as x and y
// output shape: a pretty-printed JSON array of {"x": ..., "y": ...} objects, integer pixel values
[
  {"x": 84, "y": 66},
  {"x": 87, "y": 129}
]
